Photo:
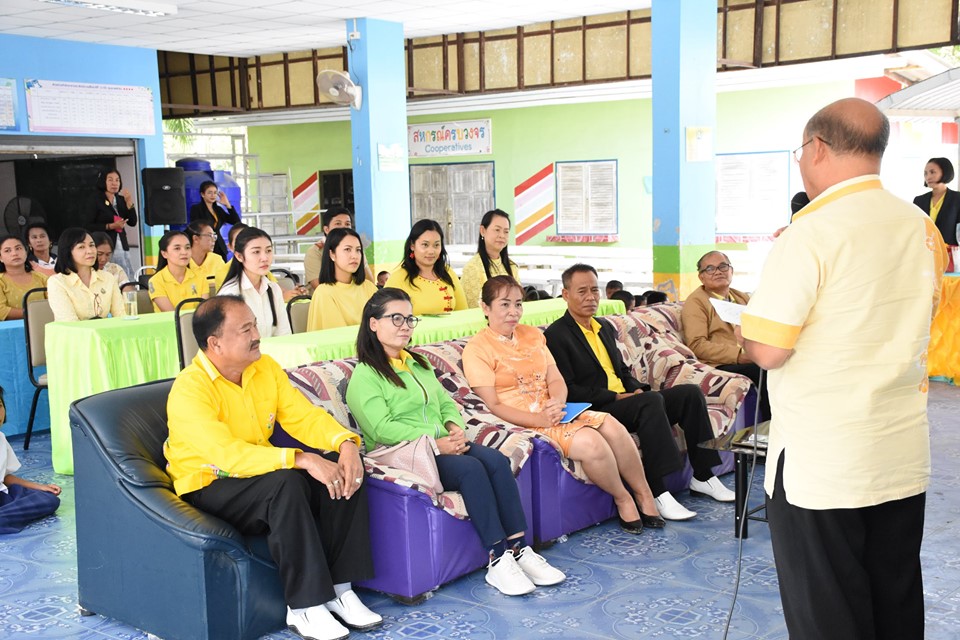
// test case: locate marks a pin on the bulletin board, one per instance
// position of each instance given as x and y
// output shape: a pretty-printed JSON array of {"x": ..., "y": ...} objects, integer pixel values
[
  {"x": 753, "y": 192},
  {"x": 56, "y": 106}
]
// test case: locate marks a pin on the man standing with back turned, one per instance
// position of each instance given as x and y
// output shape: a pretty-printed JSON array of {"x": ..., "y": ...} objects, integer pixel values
[{"x": 841, "y": 319}]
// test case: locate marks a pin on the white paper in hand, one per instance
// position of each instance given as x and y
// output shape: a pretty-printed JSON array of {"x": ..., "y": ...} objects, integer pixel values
[{"x": 728, "y": 311}]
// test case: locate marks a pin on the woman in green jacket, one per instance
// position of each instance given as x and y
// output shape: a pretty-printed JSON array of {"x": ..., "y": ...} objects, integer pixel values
[{"x": 395, "y": 396}]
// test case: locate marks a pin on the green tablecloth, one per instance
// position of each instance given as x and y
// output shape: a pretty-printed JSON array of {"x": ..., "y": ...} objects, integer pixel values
[
  {"x": 87, "y": 357},
  {"x": 330, "y": 344}
]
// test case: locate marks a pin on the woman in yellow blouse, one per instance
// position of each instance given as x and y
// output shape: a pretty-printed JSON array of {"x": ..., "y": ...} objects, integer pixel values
[
  {"x": 174, "y": 280},
  {"x": 78, "y": 290},
  {"x": 425, "y": 274},
  {"x": 491, "y": 258},
  {"x": 16, "y": 278},
  {"x": 203, "y": 259},
  {"x": 343, "y": 288}
]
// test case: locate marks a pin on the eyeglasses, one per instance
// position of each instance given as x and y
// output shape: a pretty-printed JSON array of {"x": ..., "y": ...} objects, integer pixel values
[
  {"x": 723, "y": 267},
  {"x": 212, "y": 236},
  {"x": 798, "y": 152},
  {"x": 398, "y": 320}
]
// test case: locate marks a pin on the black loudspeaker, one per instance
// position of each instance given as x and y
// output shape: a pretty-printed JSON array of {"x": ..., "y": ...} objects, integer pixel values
[{"x": 165, "y": 201}]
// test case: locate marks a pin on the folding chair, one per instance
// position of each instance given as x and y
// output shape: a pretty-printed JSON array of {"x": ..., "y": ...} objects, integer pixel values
[
  {"x": 297, "y": 313},
  {"x": 187, "y": 346},
  {"x": 285, "y": 278},
  {"x": 36, "y": 315}
]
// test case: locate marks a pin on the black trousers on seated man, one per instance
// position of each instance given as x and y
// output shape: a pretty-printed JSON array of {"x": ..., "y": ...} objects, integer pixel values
[
  {"x": 649, "y": 415},
  {"x": 852, "y": 574},
  {"x": 752, "y": 371},
  {"x": 315, "y": 540}
]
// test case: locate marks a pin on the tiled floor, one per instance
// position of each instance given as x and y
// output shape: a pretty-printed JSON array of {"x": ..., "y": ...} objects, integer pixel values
[{"x": 675, "y": 583}]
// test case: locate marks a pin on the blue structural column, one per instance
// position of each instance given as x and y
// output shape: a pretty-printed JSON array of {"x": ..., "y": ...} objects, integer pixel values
[
  {"x": 381, "y": 175},
  {"x": 684, "y": 42}
]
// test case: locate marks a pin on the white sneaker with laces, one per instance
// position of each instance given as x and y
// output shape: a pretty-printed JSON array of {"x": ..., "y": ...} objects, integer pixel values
[
  {"x": 315, "y": 623},
  {"x": 349, "y": 610},
  {"x": 506, "y": 576},
  {"x": 538, "y": 569},
  {"x": 670, "y": 509},
  {"x": 712, "y": 488}
]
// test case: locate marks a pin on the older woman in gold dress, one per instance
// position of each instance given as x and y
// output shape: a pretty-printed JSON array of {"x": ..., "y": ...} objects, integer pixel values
[{"x": 509, "y": 366}]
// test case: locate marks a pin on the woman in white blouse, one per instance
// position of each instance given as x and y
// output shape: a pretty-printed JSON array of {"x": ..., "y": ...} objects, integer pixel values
[
  {"x": 247, "y": 277},
  {"x": 78, "y": 290}
]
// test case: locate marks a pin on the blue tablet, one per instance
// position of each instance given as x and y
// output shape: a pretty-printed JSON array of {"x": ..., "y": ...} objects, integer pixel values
[{"x": 572, "y": 409}]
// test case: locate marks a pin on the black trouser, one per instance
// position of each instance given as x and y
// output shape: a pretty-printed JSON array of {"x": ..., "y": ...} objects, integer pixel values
[
  {"x": 848, "y": 574},
  {"x": 316, "y": 541},
  {"x": 752, "y": 371},
  {"x": 485, "y": 480},
  {"x": 650, "y": 414}
]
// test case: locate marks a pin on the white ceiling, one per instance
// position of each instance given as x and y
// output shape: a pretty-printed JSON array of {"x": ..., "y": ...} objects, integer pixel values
[{"x": 250, "y": 27}]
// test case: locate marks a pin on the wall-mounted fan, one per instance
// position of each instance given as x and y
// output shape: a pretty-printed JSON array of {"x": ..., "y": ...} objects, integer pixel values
[
  {"x": 338, "y": 86},
  {"x": 20, "y": 212}
]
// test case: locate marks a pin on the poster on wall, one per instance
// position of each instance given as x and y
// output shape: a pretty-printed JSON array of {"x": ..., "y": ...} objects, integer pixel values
[
  {"x": 8, "y": 104},
  {"x": 444, "y": 139},
  {"x": 55, "y": 106},
  {"x": 587, "y": 197},
  {"x": 753, "y": 192}
]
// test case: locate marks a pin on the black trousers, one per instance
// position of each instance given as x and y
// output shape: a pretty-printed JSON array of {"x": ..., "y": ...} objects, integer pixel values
[
  {"x": 752, "y": 371},
  {"x": 316, "y": 541},
  {"x": 485, "y": 480},
  {"x": 650, "y": 415},
  {"x": 848, "y": 574}
]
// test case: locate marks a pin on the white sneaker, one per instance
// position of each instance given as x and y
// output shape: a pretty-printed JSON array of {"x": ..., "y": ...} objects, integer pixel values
[
  {"x": 670, "y": 509},
  {"x": 349, "y": 610},
  {"x": 505, "y": 575},
  {"x": 538, "y": 569},
  {"x": 316, "y": 623}
]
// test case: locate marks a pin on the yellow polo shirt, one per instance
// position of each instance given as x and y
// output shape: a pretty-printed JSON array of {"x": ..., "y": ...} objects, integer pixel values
[
  {"x": 208, "y": 270},
  {"x": 162, "y": 284},
  {"x": 850, "y": 287},
  {"x": 593, "y": 339},
  {"x": 220, "y": 430}
]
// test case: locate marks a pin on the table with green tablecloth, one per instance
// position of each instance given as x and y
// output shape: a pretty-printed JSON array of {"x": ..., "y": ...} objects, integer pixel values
[
  {"x": 91, "y": 356},
  {"x": 330, "y": 344}
]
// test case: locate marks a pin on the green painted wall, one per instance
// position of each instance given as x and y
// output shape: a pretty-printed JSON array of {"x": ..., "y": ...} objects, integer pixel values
[{"x": 527, "y": 139}]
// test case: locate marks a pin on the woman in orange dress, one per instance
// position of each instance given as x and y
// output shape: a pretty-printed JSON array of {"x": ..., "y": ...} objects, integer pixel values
[{"x": 510, "y": 368}]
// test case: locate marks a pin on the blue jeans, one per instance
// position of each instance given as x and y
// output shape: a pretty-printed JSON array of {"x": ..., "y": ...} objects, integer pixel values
[{"x": 485, "y": 480}]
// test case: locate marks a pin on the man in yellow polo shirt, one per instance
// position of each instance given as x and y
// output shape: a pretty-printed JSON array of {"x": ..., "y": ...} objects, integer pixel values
[
  {"x": 588, "y": 359},
  {"x": 221, "y": 412},
  {"x": 841, "y": 318}
]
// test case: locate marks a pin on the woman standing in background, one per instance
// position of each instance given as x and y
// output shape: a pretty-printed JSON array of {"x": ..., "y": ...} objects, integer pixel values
[{"x": 111, "y": 210}]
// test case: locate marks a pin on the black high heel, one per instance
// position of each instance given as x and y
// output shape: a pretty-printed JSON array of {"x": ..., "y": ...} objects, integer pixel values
[
  {"x": 634, "y": 526},
  {"x": 651, "y": 522}
]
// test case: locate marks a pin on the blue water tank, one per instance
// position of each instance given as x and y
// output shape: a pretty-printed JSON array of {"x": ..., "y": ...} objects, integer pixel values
[{"x": 195, "y": 172}]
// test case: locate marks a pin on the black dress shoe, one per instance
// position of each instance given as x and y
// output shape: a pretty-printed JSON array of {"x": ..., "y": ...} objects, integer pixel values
[
  {"x": 634, "y": 526},
  {"x": 653, "y": 522}
]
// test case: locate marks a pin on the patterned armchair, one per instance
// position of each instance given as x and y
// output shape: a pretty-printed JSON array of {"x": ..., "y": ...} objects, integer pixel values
[{"x": 420, "y": 539}]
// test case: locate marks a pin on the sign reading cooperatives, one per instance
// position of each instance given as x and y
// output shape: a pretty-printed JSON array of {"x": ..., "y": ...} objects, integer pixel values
[{"x": 440, "y": 139}]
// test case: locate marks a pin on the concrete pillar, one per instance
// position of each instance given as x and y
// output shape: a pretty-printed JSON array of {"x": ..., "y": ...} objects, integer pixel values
[
  {"x": 381, "y": 175},
  {"x": 684, "y": 44}
]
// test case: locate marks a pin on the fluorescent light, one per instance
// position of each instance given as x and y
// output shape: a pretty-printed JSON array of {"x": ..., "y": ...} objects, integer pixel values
[{"x": 131, "y": 7}]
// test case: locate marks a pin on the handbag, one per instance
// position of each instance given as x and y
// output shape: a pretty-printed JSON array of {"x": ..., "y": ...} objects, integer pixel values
[{"x": 418, "y": 457}]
